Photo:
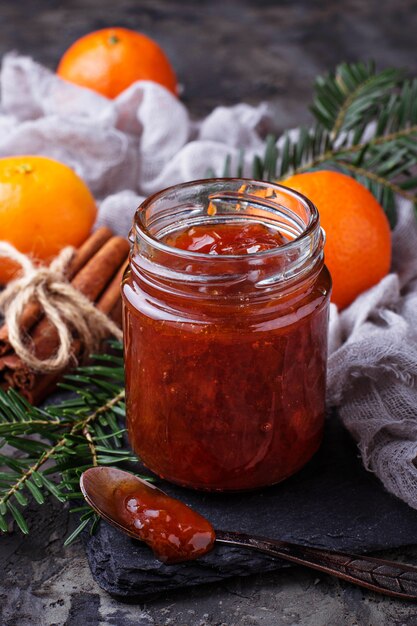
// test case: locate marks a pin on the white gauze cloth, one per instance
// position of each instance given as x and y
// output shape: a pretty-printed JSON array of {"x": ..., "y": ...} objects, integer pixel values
[{"x": 143, "y": 141}]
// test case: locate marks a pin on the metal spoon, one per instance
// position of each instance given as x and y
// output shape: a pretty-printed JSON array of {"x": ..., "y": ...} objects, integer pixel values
[{"x": 100, "y": 484}]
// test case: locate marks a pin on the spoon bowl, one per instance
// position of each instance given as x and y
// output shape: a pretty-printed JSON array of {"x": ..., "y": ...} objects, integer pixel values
[
  {"x": 171, "y": 529},
  {"x": 101, "y": 488}
]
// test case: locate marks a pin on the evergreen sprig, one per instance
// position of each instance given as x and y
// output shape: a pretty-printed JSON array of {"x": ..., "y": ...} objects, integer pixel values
[
  {"x": 43, "y": 451},
  {"x": 365, "y": 126}
]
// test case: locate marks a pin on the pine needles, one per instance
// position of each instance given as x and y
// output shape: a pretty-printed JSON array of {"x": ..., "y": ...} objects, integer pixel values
[
  {"x": 44, "y": 451},
  {"x": 365, "y": 126}
]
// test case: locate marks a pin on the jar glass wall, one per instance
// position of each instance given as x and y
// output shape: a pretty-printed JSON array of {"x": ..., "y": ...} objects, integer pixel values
[{"x": 226, "y": 355}]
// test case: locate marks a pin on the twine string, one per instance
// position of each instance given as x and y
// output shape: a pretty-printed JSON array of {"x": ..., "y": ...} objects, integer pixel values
[{"x": 65, "y": 307}]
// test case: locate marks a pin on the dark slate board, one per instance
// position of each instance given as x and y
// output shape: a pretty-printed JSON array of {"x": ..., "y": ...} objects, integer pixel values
[{"x": 332, "y": 503}]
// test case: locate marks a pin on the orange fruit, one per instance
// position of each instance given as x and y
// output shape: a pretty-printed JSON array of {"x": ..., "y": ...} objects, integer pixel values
[
  {"x": 358, "y": 237},
  {"x": 110, "y": 60},
  {"x": 44, "y": 206}
]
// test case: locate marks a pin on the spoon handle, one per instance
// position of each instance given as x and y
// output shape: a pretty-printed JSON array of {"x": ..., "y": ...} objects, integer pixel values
[{"x": 388, "y": 577}]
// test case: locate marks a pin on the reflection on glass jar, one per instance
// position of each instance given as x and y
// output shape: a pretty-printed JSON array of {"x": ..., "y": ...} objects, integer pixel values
[{"x": 225, "y": 321}]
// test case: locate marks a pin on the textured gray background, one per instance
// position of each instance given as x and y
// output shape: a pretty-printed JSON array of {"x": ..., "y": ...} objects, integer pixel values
[{"x": 224, "y": 52}]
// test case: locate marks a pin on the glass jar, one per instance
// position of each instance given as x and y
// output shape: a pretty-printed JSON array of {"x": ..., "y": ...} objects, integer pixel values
[{"x": 226, "y": 355}]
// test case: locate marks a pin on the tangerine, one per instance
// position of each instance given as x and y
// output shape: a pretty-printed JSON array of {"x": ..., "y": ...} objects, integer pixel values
[
  {"x": 44, "y": 206},
  {"x": 358, "y": 237},
  {"x": 110, "y": 60}
]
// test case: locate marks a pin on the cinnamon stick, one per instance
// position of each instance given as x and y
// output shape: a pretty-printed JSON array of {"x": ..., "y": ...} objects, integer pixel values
[
  {"x": 91, "y": 281},
  {"x": 111, "y": 302},
  {"x": 99, "y": 280},
  {"x": 13, "y": 374},
  {"x": 116, "y": 314},
  {"x": 41, "y": 385},
  {"x": 36, "y": 387},
  {"x": 111, "y": 296},
  {"x": 33, "y": 311}
]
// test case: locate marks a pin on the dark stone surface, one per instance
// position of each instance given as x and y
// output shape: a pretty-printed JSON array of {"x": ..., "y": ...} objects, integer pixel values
[
  {"x": 84, "y": 610},
  {"x": 332, "y": 503}
]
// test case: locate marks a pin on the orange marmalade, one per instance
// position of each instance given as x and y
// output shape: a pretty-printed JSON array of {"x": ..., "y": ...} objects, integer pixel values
[
  {"x": 225, "y": 324},
  {"x": 171, "y": 529}
]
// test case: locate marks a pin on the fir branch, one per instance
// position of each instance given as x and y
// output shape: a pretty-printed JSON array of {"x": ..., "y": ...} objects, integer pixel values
[
  {"x": 91, "y": 445},
  {"x": 360, "y": 171},
  {"x": 384, "y": 139},
  {"x": 366, "y": 127},
  {"x": 45, "y": 450},
  {"x": 81, "y": 425},
  {"x": 332, "y": 155},
  {"x": 352, "y": 94}
]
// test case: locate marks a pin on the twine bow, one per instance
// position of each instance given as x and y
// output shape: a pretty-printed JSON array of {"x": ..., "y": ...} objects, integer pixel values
[{"x": 64, "y": 306}]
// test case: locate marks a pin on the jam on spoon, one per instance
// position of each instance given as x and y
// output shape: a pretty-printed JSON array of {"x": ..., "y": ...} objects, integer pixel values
[
  {"x": 169, "y": 527},
  {"x": 176, "y": 533}
]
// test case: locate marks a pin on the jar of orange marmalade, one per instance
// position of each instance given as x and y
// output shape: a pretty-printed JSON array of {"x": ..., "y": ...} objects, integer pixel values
[{"x": 225, "y": 324}]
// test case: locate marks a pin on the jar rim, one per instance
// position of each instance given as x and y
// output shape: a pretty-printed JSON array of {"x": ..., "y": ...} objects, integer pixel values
[{"x": 311, "y": 227}]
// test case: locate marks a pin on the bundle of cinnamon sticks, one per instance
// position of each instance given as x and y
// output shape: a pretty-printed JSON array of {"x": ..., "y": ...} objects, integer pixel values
[{"x": 95, "y": 270}]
